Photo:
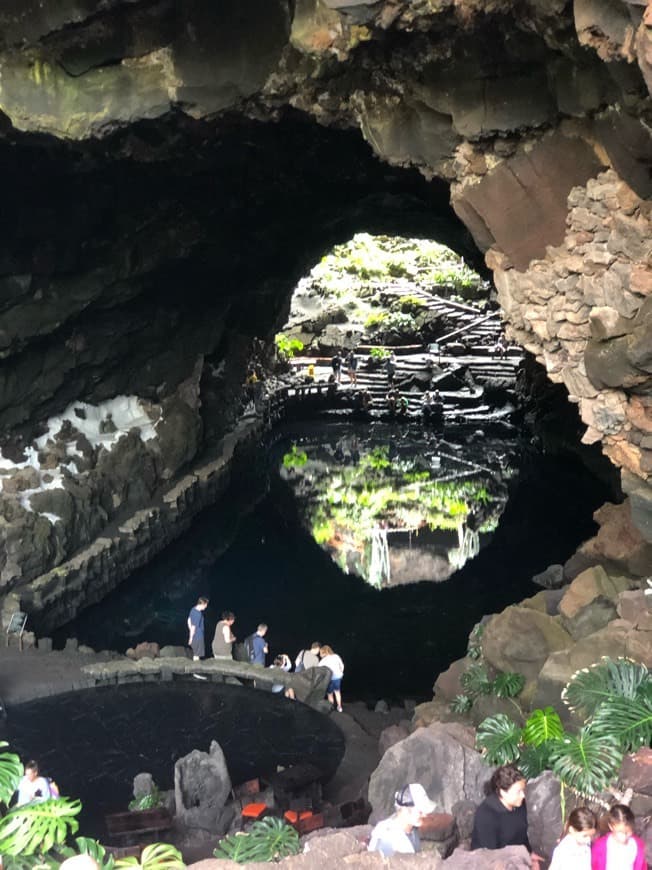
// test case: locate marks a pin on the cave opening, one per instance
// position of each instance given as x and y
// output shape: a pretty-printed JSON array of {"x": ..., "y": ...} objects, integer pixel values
[{"x": 153, "y": 260}]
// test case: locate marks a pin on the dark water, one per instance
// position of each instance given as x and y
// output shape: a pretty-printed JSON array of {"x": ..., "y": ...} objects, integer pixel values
[
  {"x": 395, "y": 641},
  {"x": 93, "y": 742}
]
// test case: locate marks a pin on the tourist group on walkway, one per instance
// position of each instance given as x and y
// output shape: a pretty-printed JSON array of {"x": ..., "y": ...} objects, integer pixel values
[{"x": 256, "y": 650}]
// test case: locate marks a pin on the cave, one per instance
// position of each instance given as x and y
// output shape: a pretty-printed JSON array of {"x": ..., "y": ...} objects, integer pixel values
[{"x": 171, "y": 171}]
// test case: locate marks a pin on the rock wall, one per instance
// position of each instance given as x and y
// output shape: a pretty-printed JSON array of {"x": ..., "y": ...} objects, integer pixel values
[{"x": 194, "y": 198}]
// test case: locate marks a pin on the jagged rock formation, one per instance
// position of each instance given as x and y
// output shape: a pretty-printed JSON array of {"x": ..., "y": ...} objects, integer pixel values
[{"x": 170, "y": 174}]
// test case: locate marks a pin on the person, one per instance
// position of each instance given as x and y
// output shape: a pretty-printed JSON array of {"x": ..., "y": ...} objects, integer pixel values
[
  {"x": 366, "y": 400},
  {"x": 392, "y": 398},
  {"x": 310, "y": 373},
  {"x": 426, "y": 405},
  {"x": 307, "y": 658},
  {"x": 399, "y": 833},
  {"x": 283, "y": 662},
  {"x": 573, "y": 852},
  {"x": 501, "y": 819},
  {"x": 336, "y": 365},
  {"x": 390, "y": 368},
  {"x": 351, "y": 366},
  {"x": 196, "y": 629},
  {"x": 260, "y": 645},
  {"x": 329, "y": 659},
  {"x": 620, "y": 849},
  {"x": 331, "y": 389},
  {"x": 33, "y": 788},
  {"x": 224, "y": 638},
  {"x": 402, "y": 406}
]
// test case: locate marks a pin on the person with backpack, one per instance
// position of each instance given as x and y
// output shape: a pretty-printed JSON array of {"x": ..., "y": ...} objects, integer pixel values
[
  {"x": 256, "y": 646},
  {"x": 307, "y": 658}
]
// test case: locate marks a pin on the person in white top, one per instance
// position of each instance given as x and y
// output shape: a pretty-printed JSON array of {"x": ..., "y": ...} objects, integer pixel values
[
  {"x": 573, "y": 852},
  {"x": 33, "y": 788},
  {"x": 399, "y": 833},
  {"x": 329, "y": 659}
]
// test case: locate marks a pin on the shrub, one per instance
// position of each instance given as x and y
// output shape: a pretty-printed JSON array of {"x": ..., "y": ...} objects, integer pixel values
[
  {"x": 376, "y": 320},
  {"x": 379, "y": 353},
  {"x": 286, "y": 347},
  {"x": 409, "y": 304},
  {"x": 269, "y": 839},
  {"x": 295, "y": 458}
]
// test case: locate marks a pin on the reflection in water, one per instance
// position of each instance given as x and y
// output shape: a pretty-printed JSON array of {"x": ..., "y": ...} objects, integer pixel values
[{"x": 399, "y": 512}]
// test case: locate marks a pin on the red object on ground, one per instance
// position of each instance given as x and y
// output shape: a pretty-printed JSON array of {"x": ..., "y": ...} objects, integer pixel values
[
  {"x": 292, "y": 816},
  {"x": 254, "y": 811}
]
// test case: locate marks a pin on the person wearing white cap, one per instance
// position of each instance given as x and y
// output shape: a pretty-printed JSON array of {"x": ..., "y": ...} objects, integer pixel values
[{"x": 399, "y": 832}]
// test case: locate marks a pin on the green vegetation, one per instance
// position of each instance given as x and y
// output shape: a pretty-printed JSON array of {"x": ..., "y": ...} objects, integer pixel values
[
  {"x": 148, "y": 801},
  {"x": 409, "y": 304},
  {"x": 376, "y": 320},
  {"x": 286, "y": 347},
  {"x": 38, "y": 835},
  {"x": 379, "y": 354},
  {"x": 295, "y": 458},
  {"x": 269, "y": 839},
  {"x": 616, "y": 699}
]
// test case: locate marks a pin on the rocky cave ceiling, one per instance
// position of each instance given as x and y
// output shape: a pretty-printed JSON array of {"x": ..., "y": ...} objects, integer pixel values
[{"x": 169, "y": 170}]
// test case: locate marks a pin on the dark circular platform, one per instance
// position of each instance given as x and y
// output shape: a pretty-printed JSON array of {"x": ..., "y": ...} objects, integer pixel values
[{"x": 93, "y": 742}]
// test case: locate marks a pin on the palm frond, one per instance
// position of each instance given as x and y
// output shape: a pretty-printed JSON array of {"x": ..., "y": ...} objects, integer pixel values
[
  {"x": 11, "y": 771},
  {"x": 542, "y": 726},
  {"x": 587, "y": 761},
  {"x": 499, "y": 737},
  {"x": 627, "y": 721},
  {"x": 38, "y": 826}
]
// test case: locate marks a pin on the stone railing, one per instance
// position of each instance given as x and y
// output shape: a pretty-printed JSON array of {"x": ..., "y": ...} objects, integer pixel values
[{"x": 309, "y": 686}]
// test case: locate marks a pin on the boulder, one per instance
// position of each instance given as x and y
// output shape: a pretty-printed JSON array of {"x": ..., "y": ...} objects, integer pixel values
[
  {"x": 447, "y": 685},
  {"x": 632, "y": 605},
  {"x": 521, "y": 639},
  {"x": 173, "y": 652},
  {"x": 551, "y": 578},
  {"x": 392, "y": 735},
  {"x": 312, "y": 688},
  {"x": 589, "y": 603},
  {"x": 545, "y": 822},
  {"x": 464, "y": 812},
  {"x": 201, "y": 788},
  {"x": 636, "y": 771},
  {"x": 143, "y": 784},
  {"x": 381, "y": 707},
  {"x": 509, "y": 858},
  {"x": 561, "y": 665},
  {"x": 441, "y": 757},
  {"x": 145, "y": 650}
]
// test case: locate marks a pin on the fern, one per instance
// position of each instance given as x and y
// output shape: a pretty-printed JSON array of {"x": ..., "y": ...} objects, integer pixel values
[
  {"x": 498, "y": 736},
  {"x": 542, "y": 726},
  {"x": 508, "y": 685},
  {"x": 587, "y": 761}
]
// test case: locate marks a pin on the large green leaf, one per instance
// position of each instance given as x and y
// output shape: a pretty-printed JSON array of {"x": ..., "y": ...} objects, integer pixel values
[
  {"x": 475, "y": 680},
  {"x": 267, "y": 840},
  {"x": 591, "y": 687},
  {"x": 534, "y": 759},
  {"x": 499, "y": 737},
  {"x": 542, "y": 726},
  {"x": 587, "y": 762},
  {"x": 11, "y": 771},
  {"x": 508, "y": 685},
  {"x": 627, "y": 721},
  {"x": 158, "y": 856},
  {"x": 37, "y": 827}
]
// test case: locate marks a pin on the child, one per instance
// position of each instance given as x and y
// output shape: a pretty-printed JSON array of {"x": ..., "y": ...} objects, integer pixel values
[
  {"x": 574, "y": 850},
  {"x": 620, "y": 849}
]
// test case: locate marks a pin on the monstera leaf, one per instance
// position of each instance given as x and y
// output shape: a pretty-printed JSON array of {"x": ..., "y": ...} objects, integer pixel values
[
  {"x": 475, "y": 680},
  {"x": 269, "y": 839},
  {"x": 586, "y": 762},
  {"x": 542, "y": 726},
  {"x": 11, "y": 771},
  {"x": 607, "y": 679},
  {"x": 627, "y": 721},
  {"x": 158, "y": 856},
  {"x": 508, "y": 685},
  {"x": 499, "y": 737},
  {"x": 37, "y": 827}
]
